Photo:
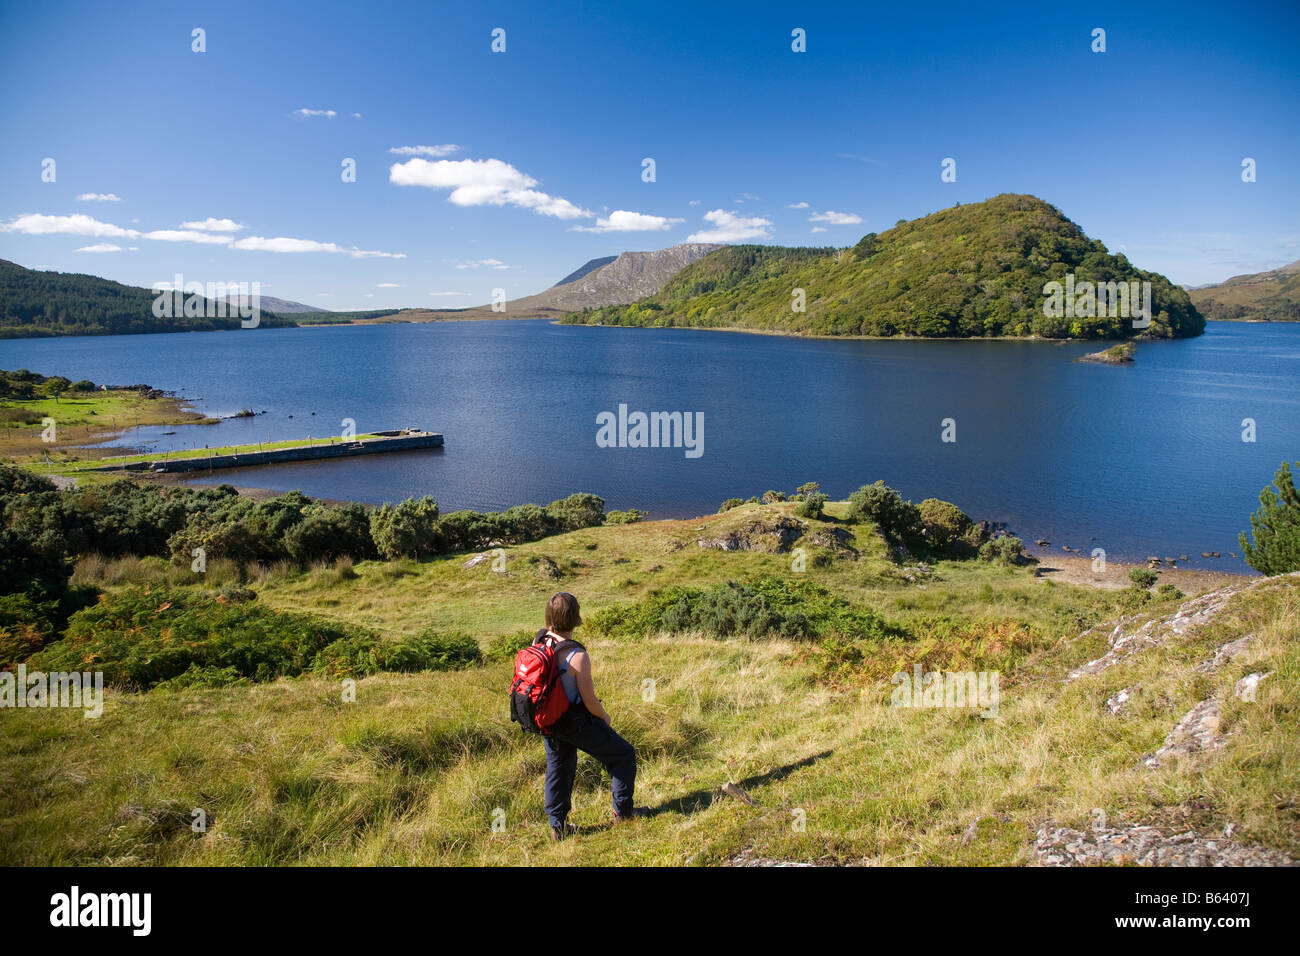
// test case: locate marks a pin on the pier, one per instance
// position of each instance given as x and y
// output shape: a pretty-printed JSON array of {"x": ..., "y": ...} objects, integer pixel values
[{"x": 403, "y": 439}]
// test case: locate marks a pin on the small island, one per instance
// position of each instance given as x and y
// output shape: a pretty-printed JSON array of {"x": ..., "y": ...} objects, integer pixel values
[{"x": 1115, "y": 355}]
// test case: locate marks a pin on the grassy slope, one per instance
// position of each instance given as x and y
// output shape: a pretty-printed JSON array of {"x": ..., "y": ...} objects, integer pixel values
[
  {"x": 972, "y": 270},
  {"x": 414, "y": 769},
  {"x": 1268, "y": 296}
]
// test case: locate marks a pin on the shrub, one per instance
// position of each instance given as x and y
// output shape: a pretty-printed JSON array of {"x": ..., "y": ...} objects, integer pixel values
[
  {"x": 1005, "y": 549},
  {"x": 885, "y": 507},
  {"x": 575, "y": 512},
  {"x": 730, "y": 503},
  {"x": 944, "y": 523},
  {"x": 203, "y": 676},
  {"x": 503, "y": 647},
  {"x": 730, "y": 609},
  {"x": 631, "y": 516},
  {"x": 1133, "y": 598},
  {"x": 764, "y": 606},
  {"x": 408, "y": 529},
  {"x": 326, "y": 533},
  {"x": 1170, "y": 592},
  {"x": 1276, "y": 527},
  {"x": 812, "y": 506},
  {"x": 21, "y": 633},
  {"x": 142, "y": 637},
  {"x": 522, "y": 523},
  {"x": 1142, "y": 577},
  {"x": 772, "y": 497},
  {"x": 365, "y": 654}
]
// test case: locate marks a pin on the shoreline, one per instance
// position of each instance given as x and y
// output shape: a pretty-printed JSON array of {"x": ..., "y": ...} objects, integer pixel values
[
  {"x": 1047, "y": 564},
  {"x": 88, "y": 431},
  {"x": 391, "y": 320}
]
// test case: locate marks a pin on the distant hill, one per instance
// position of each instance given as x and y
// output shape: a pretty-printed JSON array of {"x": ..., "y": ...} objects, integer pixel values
[
  {"x": 972, "y": 270},
  {"x": 614, "y": 280},
  {"x": 1272, "y": 296},
  {"x": 289, "y": 307},
  {"x": 36, "y": 303}
]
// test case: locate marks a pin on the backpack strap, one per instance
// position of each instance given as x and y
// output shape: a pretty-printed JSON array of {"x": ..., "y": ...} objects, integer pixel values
[{"x": 570, "y": 646}]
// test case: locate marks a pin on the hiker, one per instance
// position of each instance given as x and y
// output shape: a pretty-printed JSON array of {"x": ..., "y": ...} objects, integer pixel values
[{"x": 584, "y": 726}]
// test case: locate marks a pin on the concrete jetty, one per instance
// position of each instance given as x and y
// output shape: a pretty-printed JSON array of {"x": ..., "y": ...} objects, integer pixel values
[{"x": 403, "y": 439}]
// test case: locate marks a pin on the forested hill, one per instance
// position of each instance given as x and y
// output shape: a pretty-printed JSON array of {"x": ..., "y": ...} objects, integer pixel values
[
  {"x": 974, "y": 270},
  {"x": 36, "y": 303}
]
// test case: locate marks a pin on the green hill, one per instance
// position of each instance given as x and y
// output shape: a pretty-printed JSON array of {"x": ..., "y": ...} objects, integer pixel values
[
  {"x": 1272, "y": 296},
  {"x": 975, "y": 270},
  {"x": 35, "y": 303}
]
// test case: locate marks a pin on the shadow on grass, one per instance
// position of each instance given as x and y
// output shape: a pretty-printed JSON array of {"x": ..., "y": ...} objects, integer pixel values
[{"x": 702, "y": 799}]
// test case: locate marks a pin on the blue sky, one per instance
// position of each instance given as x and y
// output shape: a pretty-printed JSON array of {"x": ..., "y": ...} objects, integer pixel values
[{"x": 534, "y": 156}]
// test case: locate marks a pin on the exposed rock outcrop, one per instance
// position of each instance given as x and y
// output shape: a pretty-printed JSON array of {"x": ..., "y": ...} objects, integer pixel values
[
  {"x": 769, "y": 535},
  {"x": 1148, "y": 846}
]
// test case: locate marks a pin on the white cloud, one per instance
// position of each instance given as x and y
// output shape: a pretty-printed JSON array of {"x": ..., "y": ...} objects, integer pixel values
[
  {"x": 444, "y": 150},
  {"x": 79, "y": 224},
  {"x": 836, "y": 218},
  {"x": 797, "y": 205},
  {"x": 98, "y": 197},
  {"x": 286, "y": 244},
  {"x": 36, "y": 224},
  {"x": 101, "y": 247},
  {"x": 817, "y": 229},
  {"x": 306, "y": 112},
  {"x": 357, "y": 115},
  {"x": 483, "y": 182},
  {"x": 731, "y": 228},
  {"x": 475, "y": 263},
  {"x": 186, "y": 235},
  {"x": 214, "y": 225},
  {"x": 621, "y": 220},
  {"x": 693, "y": 202},
  {"x": 389, "y": 285},
  {"x": 448, "y": 293}
]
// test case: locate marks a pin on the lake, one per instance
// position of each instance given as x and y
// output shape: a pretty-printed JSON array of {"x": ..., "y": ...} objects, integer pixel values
[{"x": 1139, "y": 459}]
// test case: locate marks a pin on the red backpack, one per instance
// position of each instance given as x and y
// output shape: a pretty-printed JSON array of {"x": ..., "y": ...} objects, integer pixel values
[{"x": 537, "y": 700}]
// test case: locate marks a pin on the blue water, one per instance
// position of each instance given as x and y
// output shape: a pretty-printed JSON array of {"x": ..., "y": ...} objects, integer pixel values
[{"x": 1142, "y": 459}]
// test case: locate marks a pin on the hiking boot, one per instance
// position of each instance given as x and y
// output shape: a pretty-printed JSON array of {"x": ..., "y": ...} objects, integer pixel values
[{"x": 562, "y": 831}]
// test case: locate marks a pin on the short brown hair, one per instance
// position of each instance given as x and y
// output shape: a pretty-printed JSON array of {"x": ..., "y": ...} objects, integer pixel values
[{"x": 562, "y": 612}]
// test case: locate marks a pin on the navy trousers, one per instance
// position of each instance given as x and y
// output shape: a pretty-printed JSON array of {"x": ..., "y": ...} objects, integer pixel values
[{"x": 579, "y": 730}]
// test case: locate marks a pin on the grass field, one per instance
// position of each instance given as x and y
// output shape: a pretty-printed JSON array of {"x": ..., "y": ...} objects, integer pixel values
[
  {"x": 426, "y": 768},
  {"x": 83, "y": 419}
]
